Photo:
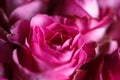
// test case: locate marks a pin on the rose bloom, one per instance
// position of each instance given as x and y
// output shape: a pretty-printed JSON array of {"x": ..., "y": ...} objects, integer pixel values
[
  {"x": 92, "y": 29},
  {"x": 94, "y": 20},
  {"x": 105, "y": 66},
  {"x": 46, "y": 49}
]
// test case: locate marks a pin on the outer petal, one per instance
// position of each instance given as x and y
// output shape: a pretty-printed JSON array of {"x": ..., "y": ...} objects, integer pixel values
[
  {"x": 10, "y": 5},
  {"x": 98, "y": 29},
  {"x": 90, "y": 6},
  {"x": 30, "y": 10},
  {"x": 103, "y": 67},
  {"x": 62, "y": 72},
  {"x": 20, "y": 31},
  {"x": 66, "y": 7}
]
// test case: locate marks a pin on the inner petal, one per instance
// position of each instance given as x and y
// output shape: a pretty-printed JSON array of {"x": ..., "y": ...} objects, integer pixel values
[{"x": 57, "y": 39}]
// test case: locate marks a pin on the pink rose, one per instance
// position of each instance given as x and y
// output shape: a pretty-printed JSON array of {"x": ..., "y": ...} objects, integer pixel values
[
  {"x": 87, "y": 15},
  {"x": 105, "y": 66},
  {"x": 92, "y": 29},
  {"x": 47, "y": 49}
]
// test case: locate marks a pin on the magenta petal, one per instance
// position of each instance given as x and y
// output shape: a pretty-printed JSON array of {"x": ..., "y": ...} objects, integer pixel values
[
  {"x": 95, "y": 35},
  {"x": 19, "y": 32},
  {"x": 78, "y": 41},
  {"x": 113, "y": 4},
  {"x": 61, "y": 73},
  {"x": 98, "y": 29},
  {"x": 12, "y": 4},
  {"x": 90, "y": 50},
  {"x": 36, "y": 37},
  {"x": 41, "y": 21},
  {"x": 66, "y": 7},
  {"x": 21, "y": 72},
  {"x": 30, "y": 10},
  {"x": 90, "y": 6},
  {"x": 80, "y": 74},
  {"x": 25, "y": 58}
]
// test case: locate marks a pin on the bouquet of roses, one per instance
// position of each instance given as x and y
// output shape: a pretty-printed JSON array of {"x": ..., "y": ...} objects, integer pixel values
[{"x": 59, "y": 40}]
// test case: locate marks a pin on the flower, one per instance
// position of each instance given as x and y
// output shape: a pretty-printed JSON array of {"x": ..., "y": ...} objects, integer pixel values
[
  {"x": 59, "y": 39},
  {"x": 105, "y": 66},
  {"x": 92, "y": 29},
  {"x": 86, "y": 14},
  {"x": 47, "y": 49}
]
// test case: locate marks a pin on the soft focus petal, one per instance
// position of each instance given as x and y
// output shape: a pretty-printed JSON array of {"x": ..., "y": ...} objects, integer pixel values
[
  {"x": 66, "y": 7},
  {"x": 12, "y": 4},
  {"x": 19, "y": 32},
  {"x": 104, "y": 66},
  {"x": 41, "y": 20},
  {"x": 90, "y": 50},
  {"x": 109, "y": 3},
  {"x": 31, "y": 9},
  {"x": 99, "y": 29},
  {"x": 90, "y": 6}
]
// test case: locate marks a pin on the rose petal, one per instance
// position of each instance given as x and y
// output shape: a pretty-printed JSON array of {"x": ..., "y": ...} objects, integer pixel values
[
  {"x": 31, "y": 9},
  {"x": 19, "y": 32},
  {"x": 67, "y": 7}
]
